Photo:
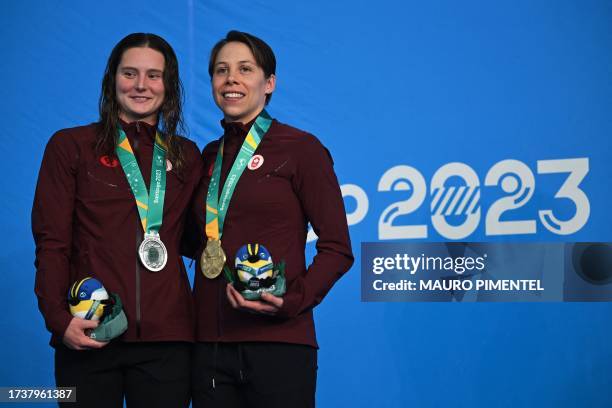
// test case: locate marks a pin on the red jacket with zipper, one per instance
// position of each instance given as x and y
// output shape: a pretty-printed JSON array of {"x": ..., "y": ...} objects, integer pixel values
[
  {"x": 272, "y": 205},
  {"x": 85, "y": 223}
]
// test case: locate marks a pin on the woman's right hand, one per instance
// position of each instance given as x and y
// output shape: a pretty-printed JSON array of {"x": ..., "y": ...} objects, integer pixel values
[{"x": 75, "y": 337}]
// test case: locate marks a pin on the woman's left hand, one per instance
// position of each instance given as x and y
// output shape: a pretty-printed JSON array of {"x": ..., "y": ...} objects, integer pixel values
[{"x": 269, "y": 304}]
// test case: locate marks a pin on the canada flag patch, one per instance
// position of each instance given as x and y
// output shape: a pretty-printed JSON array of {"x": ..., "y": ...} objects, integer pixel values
[
  {"x": 255, "y": 162},
  {"x": 109, "y": 161}
]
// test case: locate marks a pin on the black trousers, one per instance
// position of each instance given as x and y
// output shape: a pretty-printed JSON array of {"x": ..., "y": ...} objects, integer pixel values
[
  {"x": 153, "y": 374},
  {"x": 254, "y": 375}
]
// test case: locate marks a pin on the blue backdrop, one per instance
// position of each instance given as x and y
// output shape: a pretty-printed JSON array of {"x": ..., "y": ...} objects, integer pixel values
[{"x": 516, "y": 93}]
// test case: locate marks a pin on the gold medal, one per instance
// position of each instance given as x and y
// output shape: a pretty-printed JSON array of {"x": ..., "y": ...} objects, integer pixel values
[{"x": 212, "y": 259}]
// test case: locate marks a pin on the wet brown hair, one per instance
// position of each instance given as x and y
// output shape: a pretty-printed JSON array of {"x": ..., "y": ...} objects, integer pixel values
[{"x": 170, "y": 118}]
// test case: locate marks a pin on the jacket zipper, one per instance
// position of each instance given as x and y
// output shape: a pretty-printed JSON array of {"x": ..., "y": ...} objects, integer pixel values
[
  {"x": 139, "y": 238},
  {"x": 219, "y": 312},
  {"x": 138, "y": 241}
]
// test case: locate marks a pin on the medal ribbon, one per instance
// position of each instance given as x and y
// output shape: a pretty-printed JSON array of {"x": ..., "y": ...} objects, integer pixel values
[
  {"x": 150, "y": 205},
  {"x": 216, "y": 207}
]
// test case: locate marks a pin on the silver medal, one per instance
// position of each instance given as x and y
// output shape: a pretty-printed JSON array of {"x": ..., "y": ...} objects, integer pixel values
[{"x": 152, "y": 252}]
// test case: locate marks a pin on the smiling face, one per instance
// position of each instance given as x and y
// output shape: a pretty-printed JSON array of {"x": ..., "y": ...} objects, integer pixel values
[
  {"x": 140, "y": 84},
  {"x": 239, "y": 85}
]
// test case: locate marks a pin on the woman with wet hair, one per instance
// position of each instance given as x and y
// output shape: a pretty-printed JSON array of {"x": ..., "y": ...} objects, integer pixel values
[{"x": 110, "y": 204}]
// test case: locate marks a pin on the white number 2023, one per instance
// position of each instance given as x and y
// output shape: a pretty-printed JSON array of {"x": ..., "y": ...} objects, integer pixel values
[{"x": 512, "y": 176}]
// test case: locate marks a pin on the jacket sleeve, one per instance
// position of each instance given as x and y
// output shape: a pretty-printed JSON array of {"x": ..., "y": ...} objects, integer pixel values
[
  {"x": 52, "y": 217},
  {"x": 316, "y": 185},
  {"x": 192, "y": 233}
]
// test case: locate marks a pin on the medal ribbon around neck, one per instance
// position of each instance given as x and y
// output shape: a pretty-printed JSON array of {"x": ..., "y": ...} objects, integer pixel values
[
  {"x": 150, "y": 205},
  {"x": 216, "y": 207}
]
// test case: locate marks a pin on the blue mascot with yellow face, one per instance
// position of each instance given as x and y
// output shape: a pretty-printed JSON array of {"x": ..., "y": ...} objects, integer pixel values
[
  {"x": 87, "y": 299},
  {"x": 256, "y": 272},
  {"x": 254, "y": 266}
]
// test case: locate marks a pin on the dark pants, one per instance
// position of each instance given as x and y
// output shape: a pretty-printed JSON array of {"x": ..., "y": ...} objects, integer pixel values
[
  {"x": 266, "y": 375},
  {"x": 153, "y": 374}
]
